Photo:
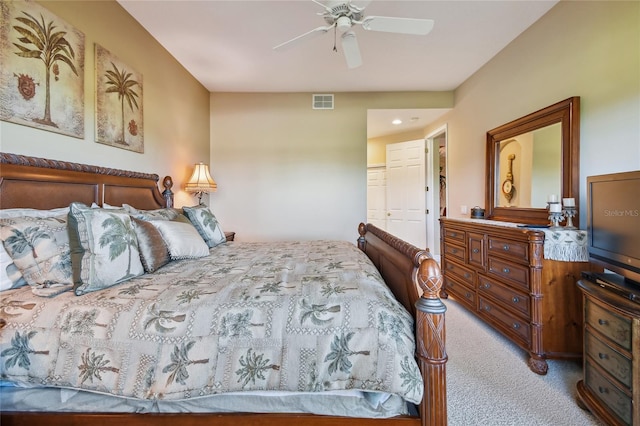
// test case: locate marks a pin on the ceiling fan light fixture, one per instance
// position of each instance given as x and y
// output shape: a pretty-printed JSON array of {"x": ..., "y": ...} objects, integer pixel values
[{"x": 343, "y": 24}]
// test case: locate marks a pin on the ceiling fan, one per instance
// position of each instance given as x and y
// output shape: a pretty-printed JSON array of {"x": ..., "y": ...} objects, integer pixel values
[{"x": 342, "y": 16}]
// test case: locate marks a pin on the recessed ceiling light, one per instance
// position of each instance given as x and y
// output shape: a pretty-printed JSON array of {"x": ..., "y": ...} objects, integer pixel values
[{"x": 396, "y": 121}]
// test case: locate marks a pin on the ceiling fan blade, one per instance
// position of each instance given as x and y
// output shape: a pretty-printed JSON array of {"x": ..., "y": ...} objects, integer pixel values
[
  {"x": 306, "y": 36},
  {"x": 398, "y": 25},
  {"x": 351, "y": 50}
]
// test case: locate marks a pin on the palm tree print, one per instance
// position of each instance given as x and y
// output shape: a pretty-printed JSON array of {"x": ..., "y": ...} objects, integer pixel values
[
  {"x": 179, "y": 363},
  {"x": 273, "y": 287},
  {"x": 22, "y": 241},
  {"x": 208, "y": 220},
  {"x": 18, "y": 353},
  {"x": 340, "y": 353},
  {"x": 315, "y": 312},
  {"x": 162, "y": 320},
  {"x": 41, "y": 40},
  {"x": 119, "y": 236},
  {"x": 411, "y": 376},
  {"x": 120, "y": 82},
  {"x": 329, "y": 289},
  {"x": 93, "y": 365},
  {"x": 81, "y": 322},
  {"x": 253, "y": 367},
  {"x": 190, "y": 295},
  {"x": 393, "y": 326},
  {"x": 238, "y": 325}
]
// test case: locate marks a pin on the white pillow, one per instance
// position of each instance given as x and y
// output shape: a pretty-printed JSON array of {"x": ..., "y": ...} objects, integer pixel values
[{"x": 183, "y": 239}]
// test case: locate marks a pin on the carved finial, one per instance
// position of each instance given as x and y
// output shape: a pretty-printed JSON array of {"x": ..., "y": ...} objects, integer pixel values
[{"x": 167, "y": 182}]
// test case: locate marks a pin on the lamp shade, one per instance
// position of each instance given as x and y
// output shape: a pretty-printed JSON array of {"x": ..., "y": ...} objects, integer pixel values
[{"x": 201, "y": 180}]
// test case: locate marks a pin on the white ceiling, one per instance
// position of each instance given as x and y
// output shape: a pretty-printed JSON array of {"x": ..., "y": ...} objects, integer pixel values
[{"x": 227, "y": 45}]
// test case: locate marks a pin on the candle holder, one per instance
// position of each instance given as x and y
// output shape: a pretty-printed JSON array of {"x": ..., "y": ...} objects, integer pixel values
[
  {"x": 555, "y": 214},
  {"x": 569, "y": 212}
]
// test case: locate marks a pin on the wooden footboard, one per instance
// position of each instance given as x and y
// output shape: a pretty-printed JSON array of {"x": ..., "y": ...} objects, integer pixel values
[
  {"x": 406, "y": 269},
  {"x": 411, "y": 274}
]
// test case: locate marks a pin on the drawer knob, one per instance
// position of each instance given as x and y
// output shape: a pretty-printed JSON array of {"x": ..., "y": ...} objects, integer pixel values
[
  {"x": 475, "y": 250},
  {"x": 515, "y": 299},
  {"x": 603, "y": 322},
  {"x": 449, "y": 267},
  {"x": 467, "y": 275},
  {"x": 453, "y": 234},
  {"x": 516, "y": 325},
  {"x": 487, "y": 286},
  {"x": 487, "y": 308},
  {"x": 506, "y": 270},
  {"x": 467, "y": 295},
  {"x": 603, "y": 356},
  {"x": 454, "y": 251},
  {"x": 505, "y": 247},
  {"x": 603, "y": 389}
]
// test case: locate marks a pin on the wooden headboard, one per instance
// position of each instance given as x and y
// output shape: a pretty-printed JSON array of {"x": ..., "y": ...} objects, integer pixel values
[{"x": 40, "y": 183}]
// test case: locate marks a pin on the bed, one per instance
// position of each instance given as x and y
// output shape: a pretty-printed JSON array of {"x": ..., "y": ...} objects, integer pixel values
[{"x": 409, "y": 279}]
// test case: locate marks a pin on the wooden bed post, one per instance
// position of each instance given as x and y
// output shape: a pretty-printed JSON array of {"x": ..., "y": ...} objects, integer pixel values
[{"x": 432, "y": 355}]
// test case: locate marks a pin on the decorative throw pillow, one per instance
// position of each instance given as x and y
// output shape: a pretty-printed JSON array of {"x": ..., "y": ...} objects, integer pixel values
[
  {"x": 154, "y": 253},
  {"x": 206, "y": 224},
  {"x": 183, "y": 239},
  {"x": 10, "y": 276},
  {"x": 104, "y": 248},
  {"x": 39, "y": 248},
  {"x": 157, "y": 214}
]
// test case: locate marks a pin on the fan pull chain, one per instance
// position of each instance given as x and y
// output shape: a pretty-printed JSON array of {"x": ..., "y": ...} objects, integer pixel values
[{"x": 335, "y": 38}]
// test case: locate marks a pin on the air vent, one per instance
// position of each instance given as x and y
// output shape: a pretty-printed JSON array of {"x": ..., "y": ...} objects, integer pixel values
[{"x": 322, "y": 102}]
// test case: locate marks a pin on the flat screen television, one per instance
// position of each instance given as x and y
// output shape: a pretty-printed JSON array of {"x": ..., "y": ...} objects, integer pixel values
[{"x": 613, "y": 223}]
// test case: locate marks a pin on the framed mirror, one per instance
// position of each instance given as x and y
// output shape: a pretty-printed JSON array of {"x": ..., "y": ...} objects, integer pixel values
[{"x": 531, "y": 159}]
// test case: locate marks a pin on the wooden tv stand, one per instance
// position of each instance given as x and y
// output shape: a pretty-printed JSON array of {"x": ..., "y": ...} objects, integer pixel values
[{"x": 499, "y": 273}]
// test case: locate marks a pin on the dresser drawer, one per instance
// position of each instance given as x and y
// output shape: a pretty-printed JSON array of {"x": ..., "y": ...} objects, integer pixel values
[
  {"x": 513, "y": 249},
  {"x": 615, "y": 327},
  {"x": 615, "y": 399},
  {"x": 615, "y": 363},
  {"x": 465, "y": 274},
  {"x": 476, "y": 249},
  {"x": 454, "y": 234},
  {"x": 508, "y": 296},
  {"x": 460, "y": 291},
  {"x": 455, "y": 251},
  {"x": 510, "y": 322},
  {"x": 517, "y": 275}
]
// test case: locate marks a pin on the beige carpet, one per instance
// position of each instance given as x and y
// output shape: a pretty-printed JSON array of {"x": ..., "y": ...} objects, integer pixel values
[{"x": 489, "y": 383}]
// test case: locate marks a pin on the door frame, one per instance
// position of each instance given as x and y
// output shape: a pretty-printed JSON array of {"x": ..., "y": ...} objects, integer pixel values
[{"x": 433, "y": 183}]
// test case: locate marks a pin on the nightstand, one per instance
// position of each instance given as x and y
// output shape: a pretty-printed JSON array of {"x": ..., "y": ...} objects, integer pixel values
[{"x": 230, "y": 235}]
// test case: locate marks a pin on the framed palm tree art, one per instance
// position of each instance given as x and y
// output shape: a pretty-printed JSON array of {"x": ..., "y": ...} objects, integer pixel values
[
  {"x": 119, "y": 114},
  {"x": 42, "y": 73}
]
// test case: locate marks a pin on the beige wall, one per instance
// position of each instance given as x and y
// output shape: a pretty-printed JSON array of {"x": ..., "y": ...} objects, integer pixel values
[
  {"x": 579, "y": 48},
  {"x": 285, "y": 171},
  {"x": 176, "y": 106}
]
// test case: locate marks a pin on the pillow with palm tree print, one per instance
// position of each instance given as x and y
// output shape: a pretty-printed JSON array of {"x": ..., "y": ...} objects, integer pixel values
[
  {"x": 10, "y": 276},
  {"x": 39, "y": 248},
  {"x": 206, "y": 224},
  {"x": 104, "y": 248}
]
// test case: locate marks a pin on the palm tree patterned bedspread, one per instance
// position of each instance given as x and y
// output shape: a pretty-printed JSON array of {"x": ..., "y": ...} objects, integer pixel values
[{"x": 296, "y": 316}]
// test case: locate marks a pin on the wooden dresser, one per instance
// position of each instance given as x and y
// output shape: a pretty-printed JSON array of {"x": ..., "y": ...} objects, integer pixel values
[
  {"x": 611, "y": 385},
  {"x": 499, "y": 273}
]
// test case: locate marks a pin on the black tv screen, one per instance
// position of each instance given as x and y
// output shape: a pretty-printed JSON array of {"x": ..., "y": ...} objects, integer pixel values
[{"x": 614, "y": 222}]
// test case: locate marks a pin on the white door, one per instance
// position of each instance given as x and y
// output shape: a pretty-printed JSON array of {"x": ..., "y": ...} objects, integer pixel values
[
  {"x": 406, "y": 188},
  {"x": 376, "y": 196}
]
